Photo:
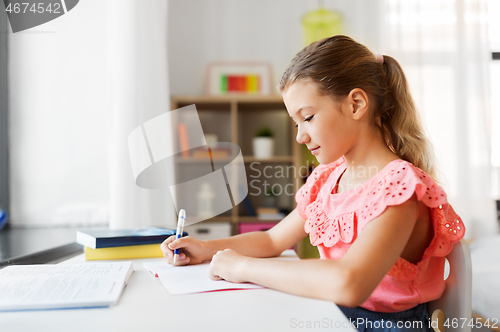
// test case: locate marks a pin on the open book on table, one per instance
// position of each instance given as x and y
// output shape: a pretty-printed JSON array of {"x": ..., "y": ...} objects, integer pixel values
[
  {"x": 62, "y": 286},
  {"x": 195, "y": 279},
  {"x": 190, "y": 279}
]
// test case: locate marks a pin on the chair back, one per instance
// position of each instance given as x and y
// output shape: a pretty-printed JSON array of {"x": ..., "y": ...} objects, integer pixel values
[{"x": 455, "y": 303}]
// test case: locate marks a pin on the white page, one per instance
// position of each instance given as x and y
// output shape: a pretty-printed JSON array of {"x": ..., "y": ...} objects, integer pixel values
[
  {"x": 86, "y": 269},
  {"x": 194, "y": 278},
  {"x": 190, "y": 279},
  {"x": 62, "y": 286}
]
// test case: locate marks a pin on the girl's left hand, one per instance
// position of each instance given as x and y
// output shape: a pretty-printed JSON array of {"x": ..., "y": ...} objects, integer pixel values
[{"x": 227, "y": 265}]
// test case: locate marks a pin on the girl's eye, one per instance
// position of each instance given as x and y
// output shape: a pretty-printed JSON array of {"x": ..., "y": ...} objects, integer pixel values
[{"x": 309, "y": 118}]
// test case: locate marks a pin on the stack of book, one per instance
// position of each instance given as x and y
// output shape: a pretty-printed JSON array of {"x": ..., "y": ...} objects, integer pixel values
[
  {"x": 3, "y": 219},
  {"x": 213, "y": 153},
  {"x": 124, "y": 243}
]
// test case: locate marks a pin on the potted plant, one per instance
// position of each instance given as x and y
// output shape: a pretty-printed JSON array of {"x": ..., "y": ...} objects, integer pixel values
[{"x": 263, "y": 143}]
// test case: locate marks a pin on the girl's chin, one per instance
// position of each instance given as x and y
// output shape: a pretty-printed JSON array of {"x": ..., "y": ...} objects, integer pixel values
[
  {"x": 321, "y": 160},
  {"x": 324, "y": 161}
]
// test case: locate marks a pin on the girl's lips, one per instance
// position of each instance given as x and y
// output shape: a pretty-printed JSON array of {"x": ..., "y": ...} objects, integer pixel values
[{"x": 315, "y": 150}]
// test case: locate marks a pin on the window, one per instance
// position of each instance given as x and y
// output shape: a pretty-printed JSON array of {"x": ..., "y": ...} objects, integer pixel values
[
  {"x": 445, "y": 49},
  {"x": 441, "y": 45}
]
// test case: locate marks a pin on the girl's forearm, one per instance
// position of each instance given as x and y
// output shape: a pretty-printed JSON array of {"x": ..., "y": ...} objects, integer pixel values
[
  {"x": 253, "y": 244},
  {"x": 268, "y": 243},
  {"x": 314, "y": 278}
]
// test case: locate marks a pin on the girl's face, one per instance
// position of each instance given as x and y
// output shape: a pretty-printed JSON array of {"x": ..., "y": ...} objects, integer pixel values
[{"x": 326, "y": 127}]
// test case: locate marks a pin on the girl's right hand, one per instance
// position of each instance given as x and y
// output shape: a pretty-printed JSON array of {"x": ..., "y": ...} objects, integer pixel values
[{"x": 192, "y": 250}]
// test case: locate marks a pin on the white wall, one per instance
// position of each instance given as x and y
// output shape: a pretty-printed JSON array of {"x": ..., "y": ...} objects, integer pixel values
[
  {"x": 201, "y": 31},
  {"x": 59, "y": 97},
  {"x": 58, "y": 120}
]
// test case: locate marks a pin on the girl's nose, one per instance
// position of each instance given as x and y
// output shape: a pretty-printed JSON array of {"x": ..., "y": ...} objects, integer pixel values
[{"x": 302, "y": 137}]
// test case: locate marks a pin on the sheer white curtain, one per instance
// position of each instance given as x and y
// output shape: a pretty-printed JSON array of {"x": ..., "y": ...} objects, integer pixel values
[
  {"x": 78, "y": 86},
  {"x": 58, "y": 121},
  {"x": 443, "y": 48},
  {"x": 138, "y": 83}
]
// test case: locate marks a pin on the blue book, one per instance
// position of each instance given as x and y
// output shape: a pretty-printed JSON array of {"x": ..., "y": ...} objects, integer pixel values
[
  {"x": 249, "y": 207},
  {"x": 108, "y": 238},
  {"x": 3, "y": 219},
  {"x": 247, "y": 203}
]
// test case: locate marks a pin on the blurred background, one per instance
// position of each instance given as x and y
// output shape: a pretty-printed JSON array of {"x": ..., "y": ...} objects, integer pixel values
[{"x": 73, "y": 89}]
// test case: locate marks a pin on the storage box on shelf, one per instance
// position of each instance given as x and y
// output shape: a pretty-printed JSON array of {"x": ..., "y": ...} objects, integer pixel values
[
  {"x": 235, "y": 119},
  {"x": 210, "y": 231}
]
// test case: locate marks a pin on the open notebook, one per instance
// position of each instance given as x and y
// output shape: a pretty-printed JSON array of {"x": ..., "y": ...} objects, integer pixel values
[
  {"x": 62, "y": 286},
  {"x": 190, "y": 279},
  {"x": 194, "y": 278}
]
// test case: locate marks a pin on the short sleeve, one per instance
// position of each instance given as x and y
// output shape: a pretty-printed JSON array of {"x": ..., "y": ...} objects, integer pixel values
[
  {"x": 309, "y": 191},
  {"x": 397, "y": 186}
]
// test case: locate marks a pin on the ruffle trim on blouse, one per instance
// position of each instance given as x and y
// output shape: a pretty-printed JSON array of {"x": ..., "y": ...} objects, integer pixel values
[
  {"x": 328, "y": 231},
  {"x": 392, "y": 186},
  {"x": 309, "y": 191}
]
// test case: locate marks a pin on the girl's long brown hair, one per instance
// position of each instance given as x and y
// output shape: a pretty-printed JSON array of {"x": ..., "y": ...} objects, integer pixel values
[{"x": 339, "y": 64}]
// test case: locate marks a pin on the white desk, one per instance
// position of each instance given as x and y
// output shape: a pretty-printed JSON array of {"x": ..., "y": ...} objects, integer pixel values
[{"x": 146, "y": 306}]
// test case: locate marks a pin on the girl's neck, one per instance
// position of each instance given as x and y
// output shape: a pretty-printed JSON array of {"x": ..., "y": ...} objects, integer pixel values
[{"x": 370, "y": 153}]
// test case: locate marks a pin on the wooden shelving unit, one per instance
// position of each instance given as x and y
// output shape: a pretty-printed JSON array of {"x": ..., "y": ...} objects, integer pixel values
[
  {"x": 235, "y": 119},
  {"x": 248, "y": 159}
]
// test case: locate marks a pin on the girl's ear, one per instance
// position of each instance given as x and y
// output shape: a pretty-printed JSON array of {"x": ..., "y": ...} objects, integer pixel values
[{"x": 358, "y": 100}]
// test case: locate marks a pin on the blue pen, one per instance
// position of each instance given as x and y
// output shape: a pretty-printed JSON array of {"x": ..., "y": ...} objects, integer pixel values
[{"x": 178, "y": 234}]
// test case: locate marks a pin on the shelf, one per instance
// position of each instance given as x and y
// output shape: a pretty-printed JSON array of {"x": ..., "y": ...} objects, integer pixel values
[
  {"x": 214, "y": 219},
  {"x": 247, "y": 159},
  {"x": 256, "y": 219},
  {"x": 240, "y": 98},
  {"x": 235, "y": 118},
  {"x": 275, "y": 159},
  {"x": 237, "y": 219},
  {"x": 193, "y": 160},
  {"x": 242, "y": 102}
]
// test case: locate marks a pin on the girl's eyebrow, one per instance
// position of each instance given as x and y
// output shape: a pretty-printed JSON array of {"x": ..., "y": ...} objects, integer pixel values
[{"x": 299, "y": 111}]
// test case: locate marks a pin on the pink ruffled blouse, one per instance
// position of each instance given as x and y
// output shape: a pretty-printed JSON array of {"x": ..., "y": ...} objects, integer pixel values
[{"x": 333, "y": 222}]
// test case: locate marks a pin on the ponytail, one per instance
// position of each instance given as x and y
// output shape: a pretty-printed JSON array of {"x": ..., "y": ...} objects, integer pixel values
[
  {"x": 339, "y": 64},
  {"x": 400, "y": 122}
]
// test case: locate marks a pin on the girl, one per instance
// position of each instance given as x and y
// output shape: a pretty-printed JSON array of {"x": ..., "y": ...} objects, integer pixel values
[{"x": 381, "y": 223}]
